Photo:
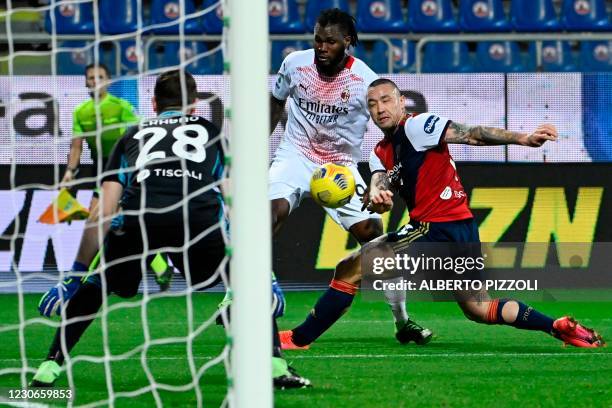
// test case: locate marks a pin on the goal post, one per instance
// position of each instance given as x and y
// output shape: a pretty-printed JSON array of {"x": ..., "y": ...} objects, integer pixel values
[{"x": 251, "y": 367}]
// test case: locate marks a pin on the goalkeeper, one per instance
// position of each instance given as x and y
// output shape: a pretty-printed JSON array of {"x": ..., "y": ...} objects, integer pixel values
[
  {"x": 115, "y": 116},
  {"x": 169, "y": 166}
]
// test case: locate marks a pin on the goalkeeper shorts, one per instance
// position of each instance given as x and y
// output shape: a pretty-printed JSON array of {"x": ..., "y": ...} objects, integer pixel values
[{"x": 197, "y": 255}]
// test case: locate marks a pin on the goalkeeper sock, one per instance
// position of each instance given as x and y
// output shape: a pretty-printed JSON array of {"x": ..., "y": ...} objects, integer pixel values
[
  {"x": 86, "y": 301},
  {"x": 396, "y": 299},
  {"x": 79, "y": 267},
  {"x": 329, "y": 308},
  {"x": 527, "y": 318},
  {"x": 276, "y": 344}
]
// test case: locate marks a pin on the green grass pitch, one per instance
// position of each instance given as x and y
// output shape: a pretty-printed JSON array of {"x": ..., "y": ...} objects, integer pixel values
[{"x": 357, "y": 363}]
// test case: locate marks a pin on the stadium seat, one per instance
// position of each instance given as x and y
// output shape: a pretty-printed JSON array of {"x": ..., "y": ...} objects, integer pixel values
[
  {"x": 446, "y": 57},
  {"x": 165, "y": 11},
  {"x": 314, "y": 7},
  {"x": 534, "y": 15},
  {"x": 171, "y": 56},
  {"x": 74, "y": 18},
  {"x": 73, "y": 62},
  {"x": 380, "y": 16},
  {"x": 556, "y": 57},
  {"x": 284, "y": 17},
  {"x": 403, "y": 56},
  {"x": 483, "y": 16},
  {"x": 130, "y": 57},
  {"x": 118, "y": 16},
  {"x": 360, "y": 52},
  {"x": 596, "y": 56},
  {"x": 280, "y": 49},
  {"x": 499, "y": 56},
  {"x": 431, "y": 16},
  {"x": 108, "y": 55},
  {"x": 156, "y": 57},
  {"x": 213, "y": 20},
  {"x": 585, "y": 15}
]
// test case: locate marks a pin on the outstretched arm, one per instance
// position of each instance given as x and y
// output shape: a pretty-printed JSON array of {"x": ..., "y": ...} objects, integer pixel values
[
  {"x": 277, "y": 107},
  {"x": 490, "y": 136},
  {"x": 378, "y": 197}
]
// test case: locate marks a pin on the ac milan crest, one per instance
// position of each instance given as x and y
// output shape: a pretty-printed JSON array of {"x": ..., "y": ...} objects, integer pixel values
[{"x": 345, "y": 95}]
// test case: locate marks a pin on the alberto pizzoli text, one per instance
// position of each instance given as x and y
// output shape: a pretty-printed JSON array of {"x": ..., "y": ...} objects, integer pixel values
[{"x": 456, "y": 284}]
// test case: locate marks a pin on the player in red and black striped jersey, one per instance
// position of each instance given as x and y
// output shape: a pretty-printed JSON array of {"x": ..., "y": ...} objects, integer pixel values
[{"x": 413, "y": 159}]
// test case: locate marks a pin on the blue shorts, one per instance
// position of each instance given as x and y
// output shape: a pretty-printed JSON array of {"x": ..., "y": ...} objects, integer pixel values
[
  {"x": 451, "y": 231},
  {"x": 455, "y": 239}
]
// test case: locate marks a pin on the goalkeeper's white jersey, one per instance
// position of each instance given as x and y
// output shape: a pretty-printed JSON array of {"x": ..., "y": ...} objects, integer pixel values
[{"x": 327, "y": 115}]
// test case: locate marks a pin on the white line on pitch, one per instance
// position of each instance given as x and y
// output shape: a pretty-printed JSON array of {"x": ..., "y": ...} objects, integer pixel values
[{"x": 400, "y": 355}]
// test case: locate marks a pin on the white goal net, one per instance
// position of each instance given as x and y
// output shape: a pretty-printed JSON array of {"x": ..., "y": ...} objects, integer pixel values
[{"x": 160, "y": 347}]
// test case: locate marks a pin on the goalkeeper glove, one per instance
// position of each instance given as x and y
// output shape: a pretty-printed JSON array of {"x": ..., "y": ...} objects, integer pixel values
[{"x": 52, "y": 301}]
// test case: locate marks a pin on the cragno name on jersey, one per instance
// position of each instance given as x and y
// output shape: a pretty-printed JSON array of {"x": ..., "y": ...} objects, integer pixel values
[{"x": 321, "y": 113}]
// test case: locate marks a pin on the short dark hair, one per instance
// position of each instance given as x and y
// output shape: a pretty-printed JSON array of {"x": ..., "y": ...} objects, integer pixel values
[
  {"x": 168, "y": 90},
  {"x": 345, "y": 21},
  {"x": 383, "y": 81},
  {"x": 98, "y": 65}
]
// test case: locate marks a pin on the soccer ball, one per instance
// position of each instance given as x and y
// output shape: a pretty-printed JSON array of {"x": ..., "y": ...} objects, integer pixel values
[{"x": 332, "y": 185}]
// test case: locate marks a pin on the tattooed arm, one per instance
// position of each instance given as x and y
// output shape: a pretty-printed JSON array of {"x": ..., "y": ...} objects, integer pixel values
[
  {"x": 490, "y": 136},
  {"x": 378, "y": 197}
]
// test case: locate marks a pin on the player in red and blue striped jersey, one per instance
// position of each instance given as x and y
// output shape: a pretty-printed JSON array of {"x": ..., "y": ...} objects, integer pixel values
[{"x": 413, "y": 159}]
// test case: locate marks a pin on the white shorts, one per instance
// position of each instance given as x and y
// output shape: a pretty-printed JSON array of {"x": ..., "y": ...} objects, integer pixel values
[{"x": 289, "y": 178}]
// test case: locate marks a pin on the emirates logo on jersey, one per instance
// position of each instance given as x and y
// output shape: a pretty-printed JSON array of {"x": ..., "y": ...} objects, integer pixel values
[{"x": 345, "y": 95}]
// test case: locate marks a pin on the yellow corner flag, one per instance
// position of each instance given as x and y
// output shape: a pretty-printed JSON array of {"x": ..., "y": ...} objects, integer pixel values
[{"x": 64, "y": 208}]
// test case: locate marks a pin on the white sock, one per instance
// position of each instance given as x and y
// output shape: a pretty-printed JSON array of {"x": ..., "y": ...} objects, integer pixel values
[{"x": 396, "y": 299}]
